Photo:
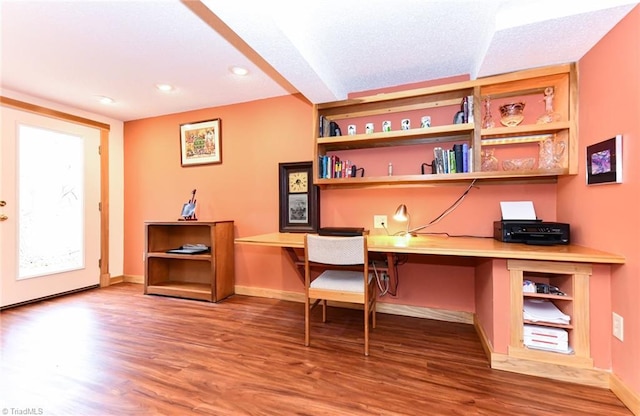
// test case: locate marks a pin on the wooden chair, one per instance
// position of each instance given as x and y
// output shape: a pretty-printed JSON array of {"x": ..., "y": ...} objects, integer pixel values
[{"x": 345, "y": 278}]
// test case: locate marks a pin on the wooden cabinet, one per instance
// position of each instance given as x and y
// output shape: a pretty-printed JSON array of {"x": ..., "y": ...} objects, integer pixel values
[
  {"x": 207, "y": 276},
  {"x": 573, "y": 280},
  {"x": 408, "y": 150}
]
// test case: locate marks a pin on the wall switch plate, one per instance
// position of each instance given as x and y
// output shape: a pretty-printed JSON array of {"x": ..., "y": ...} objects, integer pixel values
[
  {"x": 618, "y": 326},
  {"x": 380, "y": 221}
]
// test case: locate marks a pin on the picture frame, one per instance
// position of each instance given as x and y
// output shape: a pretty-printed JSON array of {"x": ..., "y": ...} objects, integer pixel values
[
  {"x": 201, "y": 142},
  {"x": 299, "y": 198},
  {"x": 604, "y": 162}
]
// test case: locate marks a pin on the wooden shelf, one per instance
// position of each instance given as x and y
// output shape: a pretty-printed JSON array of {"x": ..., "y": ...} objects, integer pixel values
[
  {"x": 546, "y": 296},
  {"x": 548, "y": 324},
  {"x": 561, "y": 78},
  {"x": 454, "y": 132},
  {"x": 163, "y": 255},
  {"x": 188, "y": 290},
  {"x": 574, "y": 279},
  {"x": 207, "y": 276},
  {"x": 497, "y": 177}
]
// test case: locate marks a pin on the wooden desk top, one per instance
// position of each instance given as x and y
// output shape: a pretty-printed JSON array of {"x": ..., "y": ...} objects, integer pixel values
[{"x": 454, "y": 246}]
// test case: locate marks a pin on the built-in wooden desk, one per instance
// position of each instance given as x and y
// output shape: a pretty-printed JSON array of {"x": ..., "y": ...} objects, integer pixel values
[
  {"x": 454, "y": 246},
  {"x": 500, "y": 271}
]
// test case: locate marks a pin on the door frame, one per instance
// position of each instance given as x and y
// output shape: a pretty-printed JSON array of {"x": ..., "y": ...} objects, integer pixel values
[{"x": 105, "y": 277}]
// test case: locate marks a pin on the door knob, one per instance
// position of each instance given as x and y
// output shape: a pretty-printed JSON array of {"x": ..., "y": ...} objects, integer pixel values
[
  {"x": 3, "y": 217},
  {"x": 2, "y": 203}
]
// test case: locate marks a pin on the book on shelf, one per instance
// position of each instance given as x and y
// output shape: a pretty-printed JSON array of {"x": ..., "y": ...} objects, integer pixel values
[
  {"x": 331, "y": 167},
  {"x": 459, "y": 159}
]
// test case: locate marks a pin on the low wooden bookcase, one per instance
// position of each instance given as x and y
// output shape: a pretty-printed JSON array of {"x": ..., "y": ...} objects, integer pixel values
[{"x": 207, "y": 276}]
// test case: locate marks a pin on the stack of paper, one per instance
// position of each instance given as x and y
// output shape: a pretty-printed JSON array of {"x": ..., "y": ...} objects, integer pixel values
[{"x": 537, "y": 310}]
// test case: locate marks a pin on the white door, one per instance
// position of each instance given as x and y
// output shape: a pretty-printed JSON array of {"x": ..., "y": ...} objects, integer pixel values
[{"x": 50, "y": 185}]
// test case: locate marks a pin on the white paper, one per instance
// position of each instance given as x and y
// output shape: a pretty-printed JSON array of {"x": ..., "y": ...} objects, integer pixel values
[
  {"x": 518, "y": 210},
  {"x": 535, "y": 310}
]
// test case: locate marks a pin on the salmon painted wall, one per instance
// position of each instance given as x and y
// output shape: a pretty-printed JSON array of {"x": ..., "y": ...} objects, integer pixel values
[
  {"x": 606, "y": 216},
  {"x": 256, "y": 136}
]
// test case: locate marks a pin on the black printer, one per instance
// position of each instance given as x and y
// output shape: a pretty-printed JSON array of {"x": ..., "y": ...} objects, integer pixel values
[{"x": 531, "y": 232}]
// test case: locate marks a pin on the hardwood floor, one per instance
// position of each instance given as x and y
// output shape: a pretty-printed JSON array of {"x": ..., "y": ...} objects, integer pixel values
[{"x": 115, "y": 351}]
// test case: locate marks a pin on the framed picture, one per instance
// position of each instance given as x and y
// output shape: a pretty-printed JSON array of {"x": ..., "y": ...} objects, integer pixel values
[
  {"x": 200, "y": 143},
  {"x": 604, "y": 162},
  {"x": 299, "y": 198}
]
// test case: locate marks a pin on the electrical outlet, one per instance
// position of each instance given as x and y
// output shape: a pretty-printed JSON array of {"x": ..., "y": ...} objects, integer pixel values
[
  {"x": 379, "y": 221},
  {"x": 618, "y": 326}
]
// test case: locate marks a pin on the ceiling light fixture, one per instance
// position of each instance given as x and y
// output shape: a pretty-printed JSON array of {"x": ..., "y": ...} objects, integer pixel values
[
  {"x": 238, "y": 70},
  {"x": 105, "y": 100},
  {"x": 164, "y": 87}
]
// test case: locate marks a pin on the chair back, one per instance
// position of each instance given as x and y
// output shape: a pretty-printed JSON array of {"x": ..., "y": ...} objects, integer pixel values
[{"x": 336, "y": 250}]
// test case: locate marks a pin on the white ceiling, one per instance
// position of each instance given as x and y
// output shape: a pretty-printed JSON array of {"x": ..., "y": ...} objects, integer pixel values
[{"x": 73, "y": 51}]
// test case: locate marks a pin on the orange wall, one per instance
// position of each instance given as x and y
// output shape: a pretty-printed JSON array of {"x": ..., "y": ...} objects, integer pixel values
[
  {"x": 256, "y": 136},
  {"x": 606, "y": 216}
]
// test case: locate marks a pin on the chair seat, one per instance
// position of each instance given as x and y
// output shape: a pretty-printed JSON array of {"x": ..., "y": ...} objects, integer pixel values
[{"x": 340, "y": 280}]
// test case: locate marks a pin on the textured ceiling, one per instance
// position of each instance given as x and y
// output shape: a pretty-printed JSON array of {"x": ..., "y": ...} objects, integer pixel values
[{"x": 71, "y": 52}]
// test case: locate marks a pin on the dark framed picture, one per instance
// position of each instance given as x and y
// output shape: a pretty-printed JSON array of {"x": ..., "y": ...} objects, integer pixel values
[
  {"x": 201, "y": 143},
  {"x": 604, "y": 162},
  {"x": 299, "y": 198}
]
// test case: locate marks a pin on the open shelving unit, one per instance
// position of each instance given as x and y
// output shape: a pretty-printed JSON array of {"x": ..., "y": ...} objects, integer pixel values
[
  {"x": 208, "y": 276},
  {"x": 573, "y": 280},
  {"x": 443, "y": 101}
]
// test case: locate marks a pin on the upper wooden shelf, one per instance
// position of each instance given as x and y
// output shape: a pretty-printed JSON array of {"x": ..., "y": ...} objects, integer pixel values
[{"x": 398, "y": 137}]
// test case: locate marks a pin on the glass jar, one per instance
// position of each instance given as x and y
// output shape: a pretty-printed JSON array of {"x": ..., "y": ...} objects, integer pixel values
[
  {"x": 551, "y": 154},
  {"x": 489, "y": 161}
]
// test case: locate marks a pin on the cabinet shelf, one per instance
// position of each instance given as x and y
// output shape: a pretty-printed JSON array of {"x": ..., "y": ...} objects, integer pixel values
[
  {"x": 548, "y": 324},
  {"x": 204, "y": 257},
  {"x": 547, "y": 296}
]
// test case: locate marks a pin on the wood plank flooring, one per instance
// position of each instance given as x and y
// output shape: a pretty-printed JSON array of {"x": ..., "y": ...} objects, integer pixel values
[{"x": 115, "y": 351}]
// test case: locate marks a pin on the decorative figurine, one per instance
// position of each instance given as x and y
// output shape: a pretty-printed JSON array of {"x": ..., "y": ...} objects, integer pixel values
[
  {"x": 189, "y": 209},
  {"x": 549, "y": 115}
]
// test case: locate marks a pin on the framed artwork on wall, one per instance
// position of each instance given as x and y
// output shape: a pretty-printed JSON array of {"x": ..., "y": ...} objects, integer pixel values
[
  {"x": 299, "y": 198},
  {"x": 201, "y": 143},
  {"x": 604, "y": 161}
]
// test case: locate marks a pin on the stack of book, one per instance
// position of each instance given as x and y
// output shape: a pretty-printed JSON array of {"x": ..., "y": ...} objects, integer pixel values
[
  {"x": 459, "y": 159},
  {"x": 331, "y": 167}
]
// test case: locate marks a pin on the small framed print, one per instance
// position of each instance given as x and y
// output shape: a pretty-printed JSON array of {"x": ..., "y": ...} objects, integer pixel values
[
  {"x": 201, "y": 143},
  {"x": 604, "y": 162},
  {"x": 299, "y": 198}
]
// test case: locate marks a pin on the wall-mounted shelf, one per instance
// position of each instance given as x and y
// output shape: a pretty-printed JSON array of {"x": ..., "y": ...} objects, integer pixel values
[{"x": 445, "y": 101}]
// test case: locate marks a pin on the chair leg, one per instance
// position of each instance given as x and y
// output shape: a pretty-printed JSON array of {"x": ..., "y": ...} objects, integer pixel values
[
  {"x": 366, "y": 328},
  {"x": 373, "y": 306},
  {"x": 307, "y": 322},
  {"x": 324, "y": 310}
]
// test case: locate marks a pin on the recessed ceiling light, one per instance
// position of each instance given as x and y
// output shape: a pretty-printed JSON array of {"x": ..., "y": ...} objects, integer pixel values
[
  {"x": 105, "y": 100},
  {"x": 238, "y": 70},
  {"x": 164, "y": 87}
]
